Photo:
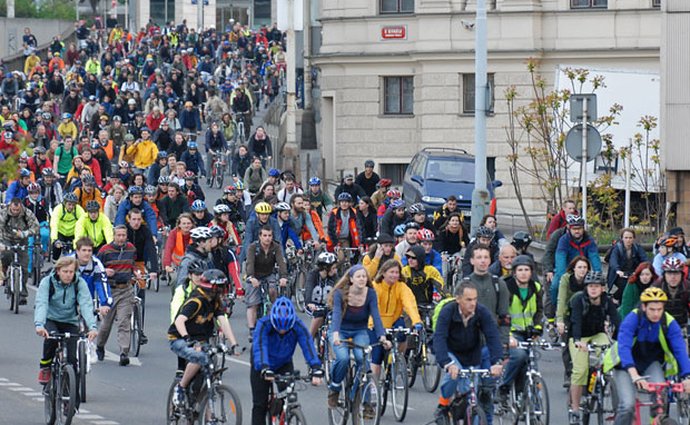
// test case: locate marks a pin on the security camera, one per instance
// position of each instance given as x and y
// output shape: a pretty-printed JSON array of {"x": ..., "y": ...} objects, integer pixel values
[{"x": 468, "y": 25}]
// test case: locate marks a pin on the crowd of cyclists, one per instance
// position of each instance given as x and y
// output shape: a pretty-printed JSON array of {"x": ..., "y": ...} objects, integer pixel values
[{"x": 109, "y": 189}]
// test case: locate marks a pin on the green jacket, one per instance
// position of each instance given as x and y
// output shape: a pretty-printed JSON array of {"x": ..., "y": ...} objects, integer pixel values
[
  {"x": 179, "y": 297},
  {"x": 564, "y": 296},
  {"x": 64, "y": 222},
  {"x": 62, "y": 306},
  {"x": 630, "y": 300},
  {"x": 100, "y": 231}
]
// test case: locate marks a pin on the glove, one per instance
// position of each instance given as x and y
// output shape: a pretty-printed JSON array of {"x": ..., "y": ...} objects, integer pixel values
[
  {"x": 418, "y": 327},
  {"x": 236, "y": 349}
]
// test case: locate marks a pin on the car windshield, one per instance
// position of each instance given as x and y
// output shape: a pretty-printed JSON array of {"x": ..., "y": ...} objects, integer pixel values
[{"x": 450, "y": 170}]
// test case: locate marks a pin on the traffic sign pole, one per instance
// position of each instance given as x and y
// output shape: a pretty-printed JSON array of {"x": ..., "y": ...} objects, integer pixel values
[{"x": 583, "y": 163}]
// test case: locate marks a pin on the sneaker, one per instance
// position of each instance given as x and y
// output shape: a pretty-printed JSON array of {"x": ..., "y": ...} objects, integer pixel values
[
  {"x": 44, "y": 375},
  {"x": 368, "y": 411},
  {"x": 144, "y": 339},
  {"x": 333, "y": 397},
  {"x": 100, "y": 353},
  {"x": 574, "y": 418},
  {"x": 441, "y": 415},
  {"x": 502, "y": 397},
  {"x": 124, "y": 359},
  {"x": 179, "y": 397}
]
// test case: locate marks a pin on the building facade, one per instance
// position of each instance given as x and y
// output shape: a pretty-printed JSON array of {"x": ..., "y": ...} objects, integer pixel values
[{"x": 397, "y": 76}]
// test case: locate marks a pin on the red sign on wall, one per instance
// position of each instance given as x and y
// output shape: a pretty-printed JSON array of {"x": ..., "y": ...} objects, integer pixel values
[{"x": 394, "y": 32}]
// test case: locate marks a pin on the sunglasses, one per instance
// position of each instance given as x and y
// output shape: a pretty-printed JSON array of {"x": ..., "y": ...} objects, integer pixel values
[{"x": 411, "y": 257}]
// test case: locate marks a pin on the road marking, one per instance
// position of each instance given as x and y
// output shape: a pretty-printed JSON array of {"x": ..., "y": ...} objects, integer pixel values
[
  {"x": 21, "y": 389},
  {"x": 112, "y": 357},
  {"x": 41, "y": 399},
  {"x": 4, "y": 379},
  {"x": 35, "y": 394},
  {"x": 238, "y": 361},
  {"x": 88, "y": 417},
  {"x": 105, "y": 423},
  {"x": 9, "y": 384}
]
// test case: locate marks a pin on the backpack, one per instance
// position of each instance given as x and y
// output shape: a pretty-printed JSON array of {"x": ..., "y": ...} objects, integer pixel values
[{"x": 443, "y": 302}]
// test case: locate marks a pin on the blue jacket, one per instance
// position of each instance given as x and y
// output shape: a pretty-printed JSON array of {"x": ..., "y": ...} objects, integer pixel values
[
  {"x": 62, "y": 306},
  {"x": 618, "y": 259},
  {"x": 16, "y": 190},
  {"x": 190, "y": 119},
  {"x": 286, "y": 232},
  {"x": 149, "y": 215},
  {"x": 433, "y": 259},
  {"x": 567, "y": 249},
  {"x": 271, "y": 350},
  {"x": 195, "y": 163},
  {"x": 646, "y": 349},
  {"x": 97, "y": 281}
]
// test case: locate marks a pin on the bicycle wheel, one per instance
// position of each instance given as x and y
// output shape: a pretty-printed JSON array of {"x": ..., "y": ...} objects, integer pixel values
[
  {"x": 16, "y": 292},
  {"x": 338, "y": 415},
  {"x": 589, "y": 409},
  {"x": 81, "y": 362},
  {"x": 224, "y": 408},
  {"x": 135, "y": 331},
  {"x": 36, "y": 267},
  {"x": 49, "y": 403},
  {"x": 156, "y": 283},
  {"x": 66, "y": 396},
  {"x": 538, "y": 403},
  {"x": 385, "y": 386},
  {"x": 296, "y": 417},
  {"x": 683, "y": 403},
  {"x": 431, "y": 372},
  {"x": 413, "y": 365},
  {"x": 399, "y": 390},
  {"x": 367, "y": 406},
  {"x": 219, "y": 177},
  {"x": 474, "y": 415},
  {"x": 609, "y": 402},
  {"x": 298, "y": 291},
  {"x": 668, "y": 421}
]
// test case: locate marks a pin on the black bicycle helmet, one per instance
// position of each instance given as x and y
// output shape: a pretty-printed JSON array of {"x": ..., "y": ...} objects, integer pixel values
[
  {"x": 93, "y": 206},
  {"x": 485, "y": 232},
  {"x": 523, "y": 260},
  {"x": 521, "y": 239},
  {"x": 594, "y": 277}
]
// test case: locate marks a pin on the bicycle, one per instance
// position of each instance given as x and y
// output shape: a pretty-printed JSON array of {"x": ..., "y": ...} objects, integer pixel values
[
  {"x": 395, "y": 376},
  {"x": 14, "y": 281},
  {"x": 83, "y": 366},
  {"x": 209, "y": 401},
  {"x": 217, "y": 171},
  {"x": 659, "y": 408},
  {"x": 360, "y": 396},
  {"x": 322, "y": 343},
  {"x": 531, "y": 402},
  {"x": 60, "y": 393},
  {"x": 297, "y": 277},
  {"x": 241, "y": 125},
  {"x": 452, "y": 266},
  {"x": 36, "y": 261},
  {"x": 345, "y": 256},
  {"x": 283, "y": 406},
  {"x": 421, "y": 358},
  {"x": 136, "y": 321},
  {"x": 599, "y": 396}
]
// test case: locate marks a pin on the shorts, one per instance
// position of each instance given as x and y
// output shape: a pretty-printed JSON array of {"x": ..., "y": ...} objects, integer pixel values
[{"x": 252, "y": 295}]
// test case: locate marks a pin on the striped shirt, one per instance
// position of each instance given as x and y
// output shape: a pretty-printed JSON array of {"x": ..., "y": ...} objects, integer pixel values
[{"x": 119, "y": 258}]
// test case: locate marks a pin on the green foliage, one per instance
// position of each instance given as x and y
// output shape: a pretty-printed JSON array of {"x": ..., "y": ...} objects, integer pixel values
[{"x": 48, "y": 9}]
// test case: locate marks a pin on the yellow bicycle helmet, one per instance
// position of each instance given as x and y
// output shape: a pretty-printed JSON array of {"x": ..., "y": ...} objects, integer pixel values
[
  {"x": 653, "y": 294},
  {"x": 263, "y": 208}
]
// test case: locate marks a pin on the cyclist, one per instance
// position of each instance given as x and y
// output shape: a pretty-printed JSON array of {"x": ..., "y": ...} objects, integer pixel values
[
  {"x": 574, "y": 242},
  {"x": 215, "y": 144},
  {"x": 348, "y": 185},
  {"x": 118, "y": 259},
  {"x": 394, "y": 216},
  {"x": 181, "y": 294},
  {"x": 676, "y": 288},
  {"x": 379, "y": 253},
  {"x": 343, "y": 229},
  {"x": 198, "y": 250},
  {"x": 151, "y": 196},
  {"x": 443, "y": 212},
  {"x": 353, "y": 301},
  {"x": 139, "y": 235},
  {"x": 275, "y": 339},
  {"x": 409, "y": 238},
  {"x": 264, "y": 257},
  {"x": 193, "y": 160},
  {"x": 367, "y": 219},
  {"x": 63, "y": 222},
  {"x": 18, "y": 188},
  {"x": 319, "y": 283},
  {"x": 255, "y": 222},
  {"x": 526, "y": 313},
  {"x": 642, "y": 278},
  {"x": 625, "y": 256},
  {"x": 155, "y": 170},
  {"x": 503, "y": 266},
  {"x": 55, "y": 310},
  {"x": 172, "y": 205},
  {"x": 16, "y": 225},
  {"x": 318, "y": 199},
  {"x": 559, "y": 221},
  {"x": 94, "y": 225},
  {"x": 451, "y": 236},
  {"x": 143, "y": 150},
  {"x": 368, "y": 179},
  {"x": 399, "y": 234},
  {"x": 195, "y": 322},
  {"x": 221, "y": 213},
  {"x": 485, "y": 236},
  {"x": 291, "y": 188},
  {"x": 235, "y": 205},
  {"x": 464, "y": 328},
  {"x": 521, "y": 241},
  {"x": 418, "y": 214},
  {"x": 286, "y": 231},
  {"x": 649, "y": 339},
  {"x": 136, "y": 199},
  {"x": 301, "y": 220},
  {"x": 394, "y": 297},
  {"x": 177, "y": 242},
  {"x": 92, "y": 271},
  {"x": 37, "y": 205},
  {"x": 51, "y": 189},
  {"x": 192, "y": 190},
  {"x": 590, "y": 310},
  {"x": 379, "y": 195},
  {"x": 388, "y": 197},
  {"x": 426, "y": 238},
  {"x": 223, "y": 258},
  {"x": 667, "y": 249},
  {"x": 201, "y": 215},
  {"x": 423, "y": 279}
]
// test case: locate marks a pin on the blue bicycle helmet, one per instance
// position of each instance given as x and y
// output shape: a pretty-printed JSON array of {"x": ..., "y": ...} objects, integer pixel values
[
  {"x": 345, "y": 197},
  {"x": 283, "y": 315},
  {"x": 135, "y": 190},
  {"x": 198, "y": 205},
  {"x": 274, "y": 172},
  {"x": 314, "y": 181},
  {"x": 399, "y": 230},
  {"x": 397, "y": 203},
  {"x": 192, "y": 145}
]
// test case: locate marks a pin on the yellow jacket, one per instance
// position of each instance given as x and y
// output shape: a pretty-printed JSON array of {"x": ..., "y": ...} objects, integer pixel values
[
  {"x": 68, "y": 129},
  {"x": 63, "y": 222},
  {"x": 393, "y": 300},
  {"x": 30, "y": 62},
  {"x": 100, "y": 231},
  {"x": 145, "y": 153},
  {"x": 371, "y": 265}
]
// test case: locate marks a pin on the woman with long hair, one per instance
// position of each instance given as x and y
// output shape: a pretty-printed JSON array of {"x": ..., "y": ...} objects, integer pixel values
[
  {"x": 366, "y": 216},
  {"x": 642, "y": 278},
  {"x": 177, "y": 242},
  {"x": 353, "y": 301}
]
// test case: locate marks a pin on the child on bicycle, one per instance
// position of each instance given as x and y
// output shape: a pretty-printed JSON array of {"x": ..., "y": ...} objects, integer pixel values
[
  {"x": 195, "y": 322},
  {"x": 275, "y": 339},
  {"x": 319, "y": 284},
  {"x": 57, "y": 299}
]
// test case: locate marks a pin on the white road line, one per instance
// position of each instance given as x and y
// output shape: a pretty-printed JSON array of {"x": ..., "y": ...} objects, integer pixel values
[
  {"x": 21, "y": 389},
  {"x": 105, "y": 423},
  {"x": 112, "y": 357},
  {"x": 88, "y": 417},
  {"x": 4, "y": 379},
  {"x": 9, "y": 384},
  {"x": 41, "y": 399},
  {"x": 33, "y": 394},
  {"x": 238, "y": 361}
]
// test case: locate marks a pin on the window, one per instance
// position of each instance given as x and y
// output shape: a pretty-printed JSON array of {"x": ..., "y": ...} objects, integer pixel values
[
  {"x": 589, "y": 4},
  {"x": 468, "y": 93},
  {"x": 398, "y": 94},
  {"x": 395, "y": 172},
  {"x": 656, "y": 3},
  {"x": 396, "y": 6}
]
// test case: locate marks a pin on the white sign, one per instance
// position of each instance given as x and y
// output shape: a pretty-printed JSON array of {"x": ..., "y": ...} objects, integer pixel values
[{"x": 298, "y": 14}]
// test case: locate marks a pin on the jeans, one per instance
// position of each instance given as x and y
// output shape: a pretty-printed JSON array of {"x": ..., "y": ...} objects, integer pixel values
[
  {"x": 180, "y": 347},
  {"x": 627, "y": 392},
  {"x": 342, "y": 355},
  {"x": 450, "y": 386},
  {"x": 515, "y": 366},
  {"x": 486, "y": 388}
]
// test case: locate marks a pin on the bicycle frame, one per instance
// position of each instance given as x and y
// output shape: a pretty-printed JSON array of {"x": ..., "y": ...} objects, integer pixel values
[
  {"x": 289, "y": 394},
  {"x": 658, "y": 407},
  {"x": 471, "y": 396}
]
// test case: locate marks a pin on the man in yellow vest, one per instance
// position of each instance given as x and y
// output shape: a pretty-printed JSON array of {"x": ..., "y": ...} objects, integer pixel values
[{"x": 649, "y": 340}]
